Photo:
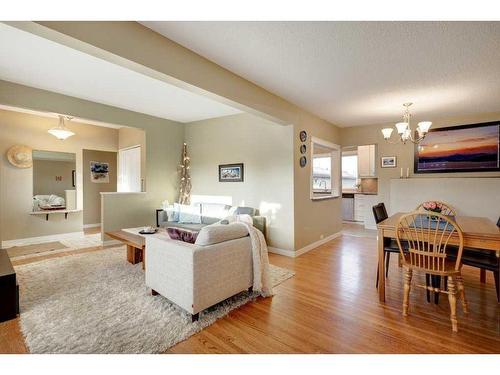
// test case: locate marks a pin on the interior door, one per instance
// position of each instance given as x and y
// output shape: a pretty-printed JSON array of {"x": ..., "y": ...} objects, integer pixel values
[{"x": 129, "y": 169}]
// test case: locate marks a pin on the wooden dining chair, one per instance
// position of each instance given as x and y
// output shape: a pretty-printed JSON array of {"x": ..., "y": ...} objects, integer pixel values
[
  {"x": 446, "y": 209},
  {"x": 485, "y": 260},
  {"x": 390, "y": 245},
  {"x": 428, "y": 236}
]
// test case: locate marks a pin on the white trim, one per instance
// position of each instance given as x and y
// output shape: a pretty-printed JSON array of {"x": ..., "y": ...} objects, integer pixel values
[
  {"x": 276, "y": 250},
  {"x": 128, "y": 148},
  {"x": 314, "y": 245},
  {"x": 41, "y": 239},
  {"x": 85, "y": 226},
  {"x": 305, "y": 249}
]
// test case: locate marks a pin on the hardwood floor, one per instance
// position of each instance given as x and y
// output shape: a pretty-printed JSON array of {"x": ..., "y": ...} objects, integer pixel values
[{"x": 331, "y": 306}]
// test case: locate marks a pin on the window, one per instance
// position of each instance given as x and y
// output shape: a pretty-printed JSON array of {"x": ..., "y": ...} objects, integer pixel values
[
  {"x": 325, "y": 169},
  {"x": 349, "y": 170},
  {"x": 322, "y": 182},
  {"x": 129, "y": 170}
]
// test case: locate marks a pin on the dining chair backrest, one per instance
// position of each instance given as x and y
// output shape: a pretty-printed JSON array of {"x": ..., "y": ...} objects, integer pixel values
[
  {"x": 379, "y": 212},
  {"x": 446, "y": 209},
  {"x": 427, "y": 236}
]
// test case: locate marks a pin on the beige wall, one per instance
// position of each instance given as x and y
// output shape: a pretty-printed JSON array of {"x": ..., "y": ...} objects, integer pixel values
[
  {"x": 164, "y": 138},
  {"x": 136, "y": 47},
  {"x": 91, "y": 190},
  {"x": 16, "y": 185},
  {"x": 314, "y": 220},
  {"x": 265, "y": 149},
  {"x": 44, "y": 177},
  {"x": 129, "y": 137},
  {"x": 372, "y": 135}
]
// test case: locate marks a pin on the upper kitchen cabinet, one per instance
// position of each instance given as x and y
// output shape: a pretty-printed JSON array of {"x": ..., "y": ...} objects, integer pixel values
[{"x": 366, "y": 161}]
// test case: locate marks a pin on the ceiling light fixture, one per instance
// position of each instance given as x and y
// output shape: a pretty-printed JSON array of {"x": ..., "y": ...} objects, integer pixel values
[
  {"x": 404, "y": 128},
  {"x": 61, "y": 131}
]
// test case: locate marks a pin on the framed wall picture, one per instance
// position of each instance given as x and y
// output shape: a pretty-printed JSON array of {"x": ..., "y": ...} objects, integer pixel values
[
  {"x": 388, "y": 162},
  {"x": 231, "y": 172},
  {"x": 464, "y": 148},
  {"x": 99, "y": 172}
]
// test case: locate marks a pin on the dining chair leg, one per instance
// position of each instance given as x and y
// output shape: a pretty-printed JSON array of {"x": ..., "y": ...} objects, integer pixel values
[
  {"x": 400, "y": 261},
  {"x": 387, "y": 260},
  {"x": 461, "y": 293},
  {"x": 406, "y": 290},
  {"x": 378, "y": 276},
  {"x": 436, "y": 285},
  {"x": 452, "y": 298},
  {"x": 497, "y": 286},
  {"x": 428, "y": 284},
  {"x": 482, "y": 275}
]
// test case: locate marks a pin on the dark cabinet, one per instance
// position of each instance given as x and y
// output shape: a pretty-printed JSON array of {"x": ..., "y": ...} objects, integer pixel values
[{"x": 9, "y": 295}]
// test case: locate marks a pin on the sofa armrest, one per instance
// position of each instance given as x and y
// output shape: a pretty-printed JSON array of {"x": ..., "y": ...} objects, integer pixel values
[
  {"x": 259, "y": 222},
  {"x": 169, "y": 269}
]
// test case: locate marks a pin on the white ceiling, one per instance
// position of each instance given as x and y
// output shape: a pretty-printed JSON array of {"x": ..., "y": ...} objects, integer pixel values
[
  {"x": 34, "y": 61},
  {"x": 356, "y": 73}
]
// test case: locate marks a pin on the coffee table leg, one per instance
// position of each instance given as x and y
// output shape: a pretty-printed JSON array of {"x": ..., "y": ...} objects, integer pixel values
[
  {"x": 133, "y": 254},
  {"x": 144, "y": 259}
]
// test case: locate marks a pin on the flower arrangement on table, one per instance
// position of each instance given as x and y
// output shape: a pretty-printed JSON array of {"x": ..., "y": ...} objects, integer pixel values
[{"x": 433, "y": 206}]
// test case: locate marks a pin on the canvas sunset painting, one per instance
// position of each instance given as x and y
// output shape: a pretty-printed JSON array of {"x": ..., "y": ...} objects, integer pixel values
[{"x": 459, "y": 149}]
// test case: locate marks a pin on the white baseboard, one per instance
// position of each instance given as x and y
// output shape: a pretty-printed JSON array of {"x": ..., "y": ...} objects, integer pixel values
[
  {"x": 40, "y": 239},
  {"x": 314, "y": 245},
  {"x": 294, "y": 254},
  {"x": 85, "y": 226},
  {"x": 277, "y": 250}
]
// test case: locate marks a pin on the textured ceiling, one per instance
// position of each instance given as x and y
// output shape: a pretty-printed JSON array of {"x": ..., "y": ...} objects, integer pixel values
[
  {"x": 356, "y": 73},
  {"x": 34, "y": 61}
]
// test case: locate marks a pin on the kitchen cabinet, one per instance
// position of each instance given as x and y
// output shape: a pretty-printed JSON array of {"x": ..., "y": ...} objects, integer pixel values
[
  {"x": 367, "y": 161},
  {"x": 359, "y": 207}
]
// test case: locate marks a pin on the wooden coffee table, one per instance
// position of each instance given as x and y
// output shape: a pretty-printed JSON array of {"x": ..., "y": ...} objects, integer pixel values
[{"x": 136, "y": 246}]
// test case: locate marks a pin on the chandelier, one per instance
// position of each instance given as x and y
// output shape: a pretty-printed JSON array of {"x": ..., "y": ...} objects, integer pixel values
[
  {"x": 404, "y": 128},
  {"x": 61, "y": 131}
]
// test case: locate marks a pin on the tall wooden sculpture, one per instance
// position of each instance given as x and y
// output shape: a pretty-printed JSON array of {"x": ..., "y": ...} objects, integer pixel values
[{"x": 185, "y": 179}]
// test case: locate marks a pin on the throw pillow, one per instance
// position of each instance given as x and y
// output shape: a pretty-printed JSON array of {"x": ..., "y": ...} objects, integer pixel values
[
  {"x": 212, "y": 234},
  {"x": 172, "y": 214},
  {"x": 189, "y": 214},
  {"x": 177, "y": 208},
  {"x": 180, "y": 234}
]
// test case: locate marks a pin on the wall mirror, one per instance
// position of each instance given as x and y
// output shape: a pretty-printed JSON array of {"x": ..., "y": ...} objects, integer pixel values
[
  {"x": 54, "y": 181},
  {"x": 325, "y": 169}
]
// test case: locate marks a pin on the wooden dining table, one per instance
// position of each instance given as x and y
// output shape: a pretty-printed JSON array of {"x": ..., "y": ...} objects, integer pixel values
[{"x": 479, "y": 233}]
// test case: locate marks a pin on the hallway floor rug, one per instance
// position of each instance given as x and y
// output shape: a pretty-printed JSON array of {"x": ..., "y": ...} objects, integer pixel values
[{"x": 98, "y": 303}]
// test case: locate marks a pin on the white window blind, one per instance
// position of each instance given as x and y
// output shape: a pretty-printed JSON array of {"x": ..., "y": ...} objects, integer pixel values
[{"x": 129, "y": 170}]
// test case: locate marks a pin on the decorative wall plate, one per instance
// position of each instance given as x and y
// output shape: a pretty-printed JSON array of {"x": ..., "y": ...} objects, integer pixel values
[
  {"x": 303, "y": 161},
  {"x": 303, "y": 136},
  {"x": 303, "y": 149}
]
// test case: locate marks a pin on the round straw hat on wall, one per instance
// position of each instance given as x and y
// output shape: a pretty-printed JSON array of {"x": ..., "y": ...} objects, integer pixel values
[{"x": 20, "y": 156}]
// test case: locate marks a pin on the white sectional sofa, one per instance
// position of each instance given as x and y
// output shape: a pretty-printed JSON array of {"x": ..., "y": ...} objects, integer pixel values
[{"x": 196, "y": 277}]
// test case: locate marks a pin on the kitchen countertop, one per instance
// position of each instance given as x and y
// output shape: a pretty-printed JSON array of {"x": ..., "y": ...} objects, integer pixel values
[{"x": 359, "y": 192}]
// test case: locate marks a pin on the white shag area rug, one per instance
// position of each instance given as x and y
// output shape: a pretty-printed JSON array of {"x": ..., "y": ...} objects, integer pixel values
[{"x": 98, "y": 303}]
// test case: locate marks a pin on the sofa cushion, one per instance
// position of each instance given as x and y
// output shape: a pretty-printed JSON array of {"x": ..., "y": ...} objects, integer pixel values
[
  {"x": 185, "y": 235},
  {"x": 189, "y": 214},
  {"x": 213, "y": 212},
  {"x": 212, "y": 234}
]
